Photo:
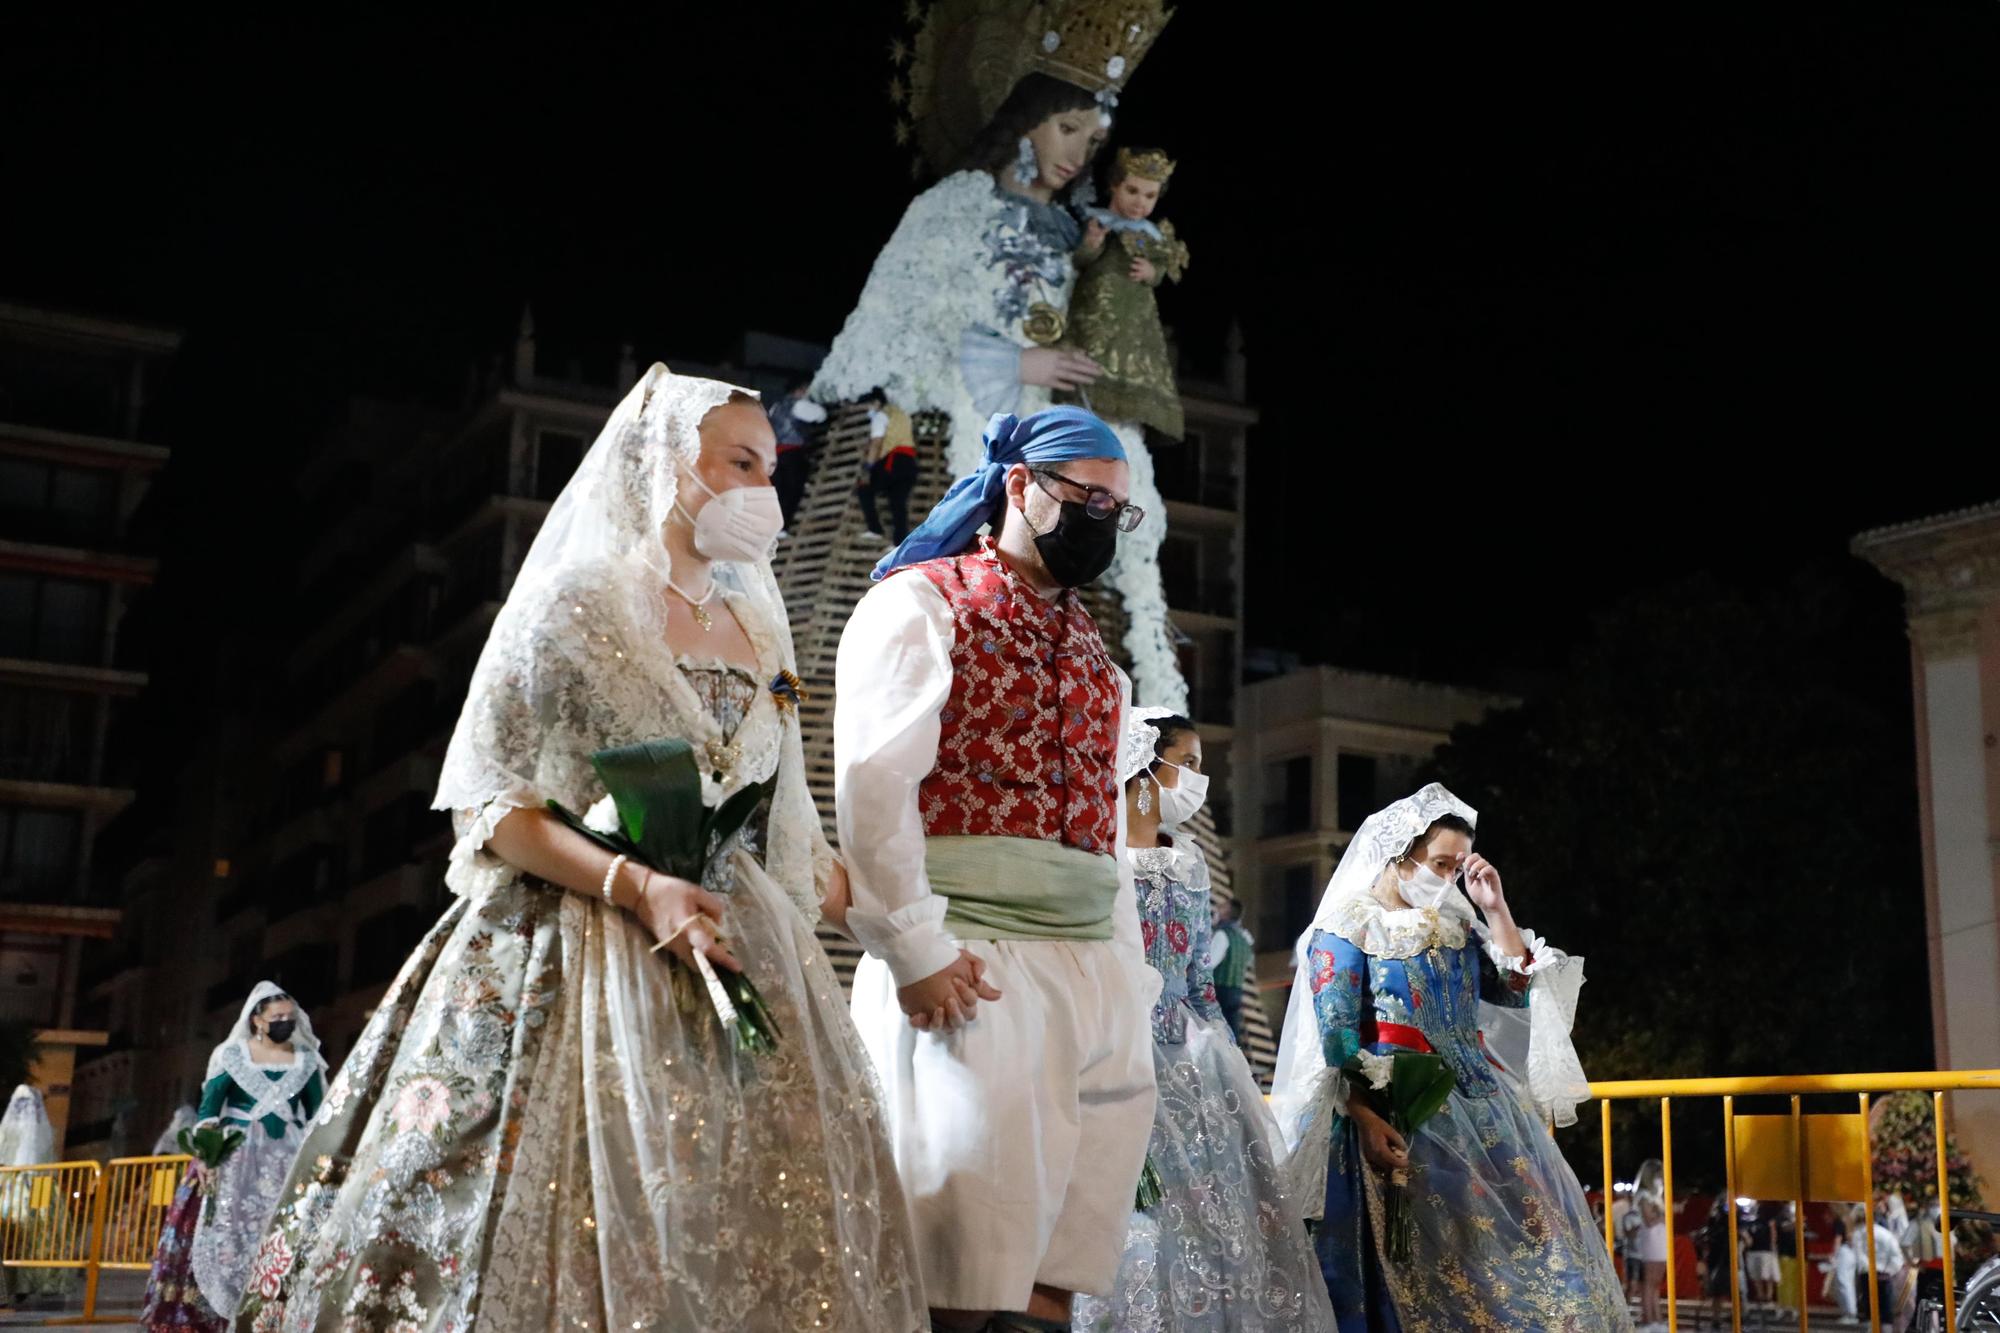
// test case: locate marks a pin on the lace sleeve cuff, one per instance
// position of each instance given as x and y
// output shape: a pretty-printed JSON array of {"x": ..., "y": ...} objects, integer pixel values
[
  {"x": 473, "y": 870},
  {"x": 991, "y": 366},
  {"x": 1539, "y": 957}
]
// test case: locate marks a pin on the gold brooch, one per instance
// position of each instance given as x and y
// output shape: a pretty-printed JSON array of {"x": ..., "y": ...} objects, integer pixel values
[
  {"x": 1044, "y": 324},
  {"x": 788, "y": 692},
  {"x": 722, "y": 757}
]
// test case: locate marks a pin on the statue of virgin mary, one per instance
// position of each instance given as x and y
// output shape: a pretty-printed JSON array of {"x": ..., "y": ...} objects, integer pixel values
[{"x": 963, "y": 313}]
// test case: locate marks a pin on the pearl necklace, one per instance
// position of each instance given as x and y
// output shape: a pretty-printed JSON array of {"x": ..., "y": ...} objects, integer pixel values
[{"x": 699, "y": 606}]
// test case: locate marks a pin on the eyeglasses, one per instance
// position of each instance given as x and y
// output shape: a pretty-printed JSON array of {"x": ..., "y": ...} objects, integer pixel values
[{"x": 1098, "y": 502}]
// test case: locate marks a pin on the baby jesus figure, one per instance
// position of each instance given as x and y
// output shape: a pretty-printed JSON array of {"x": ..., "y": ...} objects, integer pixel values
[{"x": 1113, "y": 316}]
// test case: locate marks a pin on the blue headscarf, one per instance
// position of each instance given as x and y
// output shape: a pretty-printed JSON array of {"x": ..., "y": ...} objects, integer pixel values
[{"x": 1054, "y": 435}]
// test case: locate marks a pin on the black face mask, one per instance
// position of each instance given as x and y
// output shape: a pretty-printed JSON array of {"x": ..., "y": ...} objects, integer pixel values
[
  {"x": 1079, "y": 548},
  {"x": 280, "y": 1030}
]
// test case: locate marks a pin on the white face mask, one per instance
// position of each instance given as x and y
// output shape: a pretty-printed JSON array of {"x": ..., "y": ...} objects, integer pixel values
[
  {"x": 738, "y": 524},
  {"x": 1178, "y": 804},
  {"x": 1426, "y": 888}
]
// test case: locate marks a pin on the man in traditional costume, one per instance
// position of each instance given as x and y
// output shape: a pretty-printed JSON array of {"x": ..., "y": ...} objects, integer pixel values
[{"x": 1006, "y": 997}]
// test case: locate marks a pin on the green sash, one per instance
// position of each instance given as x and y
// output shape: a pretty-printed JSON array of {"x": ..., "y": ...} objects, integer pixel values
[{"x": 1022, "y": 889}]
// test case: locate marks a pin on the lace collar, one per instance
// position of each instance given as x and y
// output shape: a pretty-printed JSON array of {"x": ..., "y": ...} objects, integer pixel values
[
  {"x": 1159, "y": 864},
  {"x": 272, "y": 1096},
  {"x": 1403, "y": 932}
]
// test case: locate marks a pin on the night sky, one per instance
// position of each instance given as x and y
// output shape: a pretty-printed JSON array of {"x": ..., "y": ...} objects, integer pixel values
[{"x": 1540, "y": 310}]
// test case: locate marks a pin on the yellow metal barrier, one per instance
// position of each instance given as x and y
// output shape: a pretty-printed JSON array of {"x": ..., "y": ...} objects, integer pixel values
[
  {"x": 46, "y": 1214},
  {"x": 85, "y": 1216},
  {"x": 138, "y": 1191},
  {"x": 1825, "y": 1158}
]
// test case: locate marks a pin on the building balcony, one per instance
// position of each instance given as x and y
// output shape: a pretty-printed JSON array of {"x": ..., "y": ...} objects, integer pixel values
[
  {"x": 1201, "y": 622},
  {"x": 77, "y": 562},
  {"x": 81, "y": 449},
  {"x": 62, "y": 919},
  {"x": 104, "y": 800},
  {"x": 1220, "y": 516}
]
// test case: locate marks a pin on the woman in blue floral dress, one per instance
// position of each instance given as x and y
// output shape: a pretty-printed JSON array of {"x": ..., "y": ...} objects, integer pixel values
[
  {"x": 1224, "y": 1248},
  {"x": 1397, "y": 961}
]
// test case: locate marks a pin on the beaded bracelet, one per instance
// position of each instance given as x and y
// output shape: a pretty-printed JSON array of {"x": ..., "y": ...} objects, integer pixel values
[{"x": 617, "y": 863}]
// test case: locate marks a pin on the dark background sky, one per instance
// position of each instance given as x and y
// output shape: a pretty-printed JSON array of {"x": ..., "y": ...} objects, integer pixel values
[{"x": 1541, "y": 309}]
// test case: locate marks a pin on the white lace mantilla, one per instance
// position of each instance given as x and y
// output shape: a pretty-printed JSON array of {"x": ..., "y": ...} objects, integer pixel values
[{"x": 601, "y": 675}]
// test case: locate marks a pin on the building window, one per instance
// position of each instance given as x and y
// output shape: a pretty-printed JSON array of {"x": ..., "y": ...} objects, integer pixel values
[
  {"x": 70, "y": 627},
  {"x": 557, "y": 455},
  {"x": 1289, "y": 895},
  {"x": 39, "y": 851},
  {"x": 81, "y": 499},
  {"x": 1180, "y": 571},
  {"x": 17, "y": 615},
  {"x": 47, "y": 735},
  {"x": 1354, "y": 783},
  {"x": 1288, "y": 804},
  {"x": 50, "y": 619}
]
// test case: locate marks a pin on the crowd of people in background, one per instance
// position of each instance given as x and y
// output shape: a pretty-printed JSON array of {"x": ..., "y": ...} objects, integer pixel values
[{"x": 1767, "y": 1272}]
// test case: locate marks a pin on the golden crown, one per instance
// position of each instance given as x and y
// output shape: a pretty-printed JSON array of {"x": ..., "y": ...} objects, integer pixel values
[
  {"x": 1094, "y": 44},
  {"x": 1148, "y": 164},
  {"x": 965, "y": 56}
]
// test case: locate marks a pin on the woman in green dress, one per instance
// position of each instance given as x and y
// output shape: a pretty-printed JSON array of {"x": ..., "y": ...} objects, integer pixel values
[{"x": 265, "y": 1081}]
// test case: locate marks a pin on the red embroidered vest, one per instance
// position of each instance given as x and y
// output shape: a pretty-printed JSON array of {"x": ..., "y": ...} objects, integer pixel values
[{"x": 1029, "y": 743}]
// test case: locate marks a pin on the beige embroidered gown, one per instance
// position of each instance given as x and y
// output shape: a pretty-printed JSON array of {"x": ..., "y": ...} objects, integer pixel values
[{"x": 533, "y": 1132}]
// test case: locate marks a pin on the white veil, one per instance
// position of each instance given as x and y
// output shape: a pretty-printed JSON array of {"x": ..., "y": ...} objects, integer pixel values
[
  {"x": 604, "y": 532},
  {"x": 26, "y": 1136},
  {"x": 170, "y": 1137},
  {"x": 232, "y": 1057}
]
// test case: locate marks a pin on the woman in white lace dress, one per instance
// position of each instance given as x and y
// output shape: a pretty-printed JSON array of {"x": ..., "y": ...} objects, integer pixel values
[{"x": 537, "y": 1128}]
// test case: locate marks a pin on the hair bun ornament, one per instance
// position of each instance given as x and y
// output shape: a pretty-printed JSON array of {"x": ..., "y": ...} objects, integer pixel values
[{"x": 1142, "y": 742}]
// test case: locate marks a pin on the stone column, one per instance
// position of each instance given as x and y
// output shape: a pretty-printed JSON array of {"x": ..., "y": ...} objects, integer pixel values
[{"x": 1949, "y": 568}]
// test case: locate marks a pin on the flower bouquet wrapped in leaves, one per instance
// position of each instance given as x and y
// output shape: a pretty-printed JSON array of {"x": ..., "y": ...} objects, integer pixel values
[
  {"x": 1151, "y": 1188},
  {"x": 662, "y": 824},
  {"x": 210, "y": 1145},
  {"x": 1406, "y": 1089}
]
